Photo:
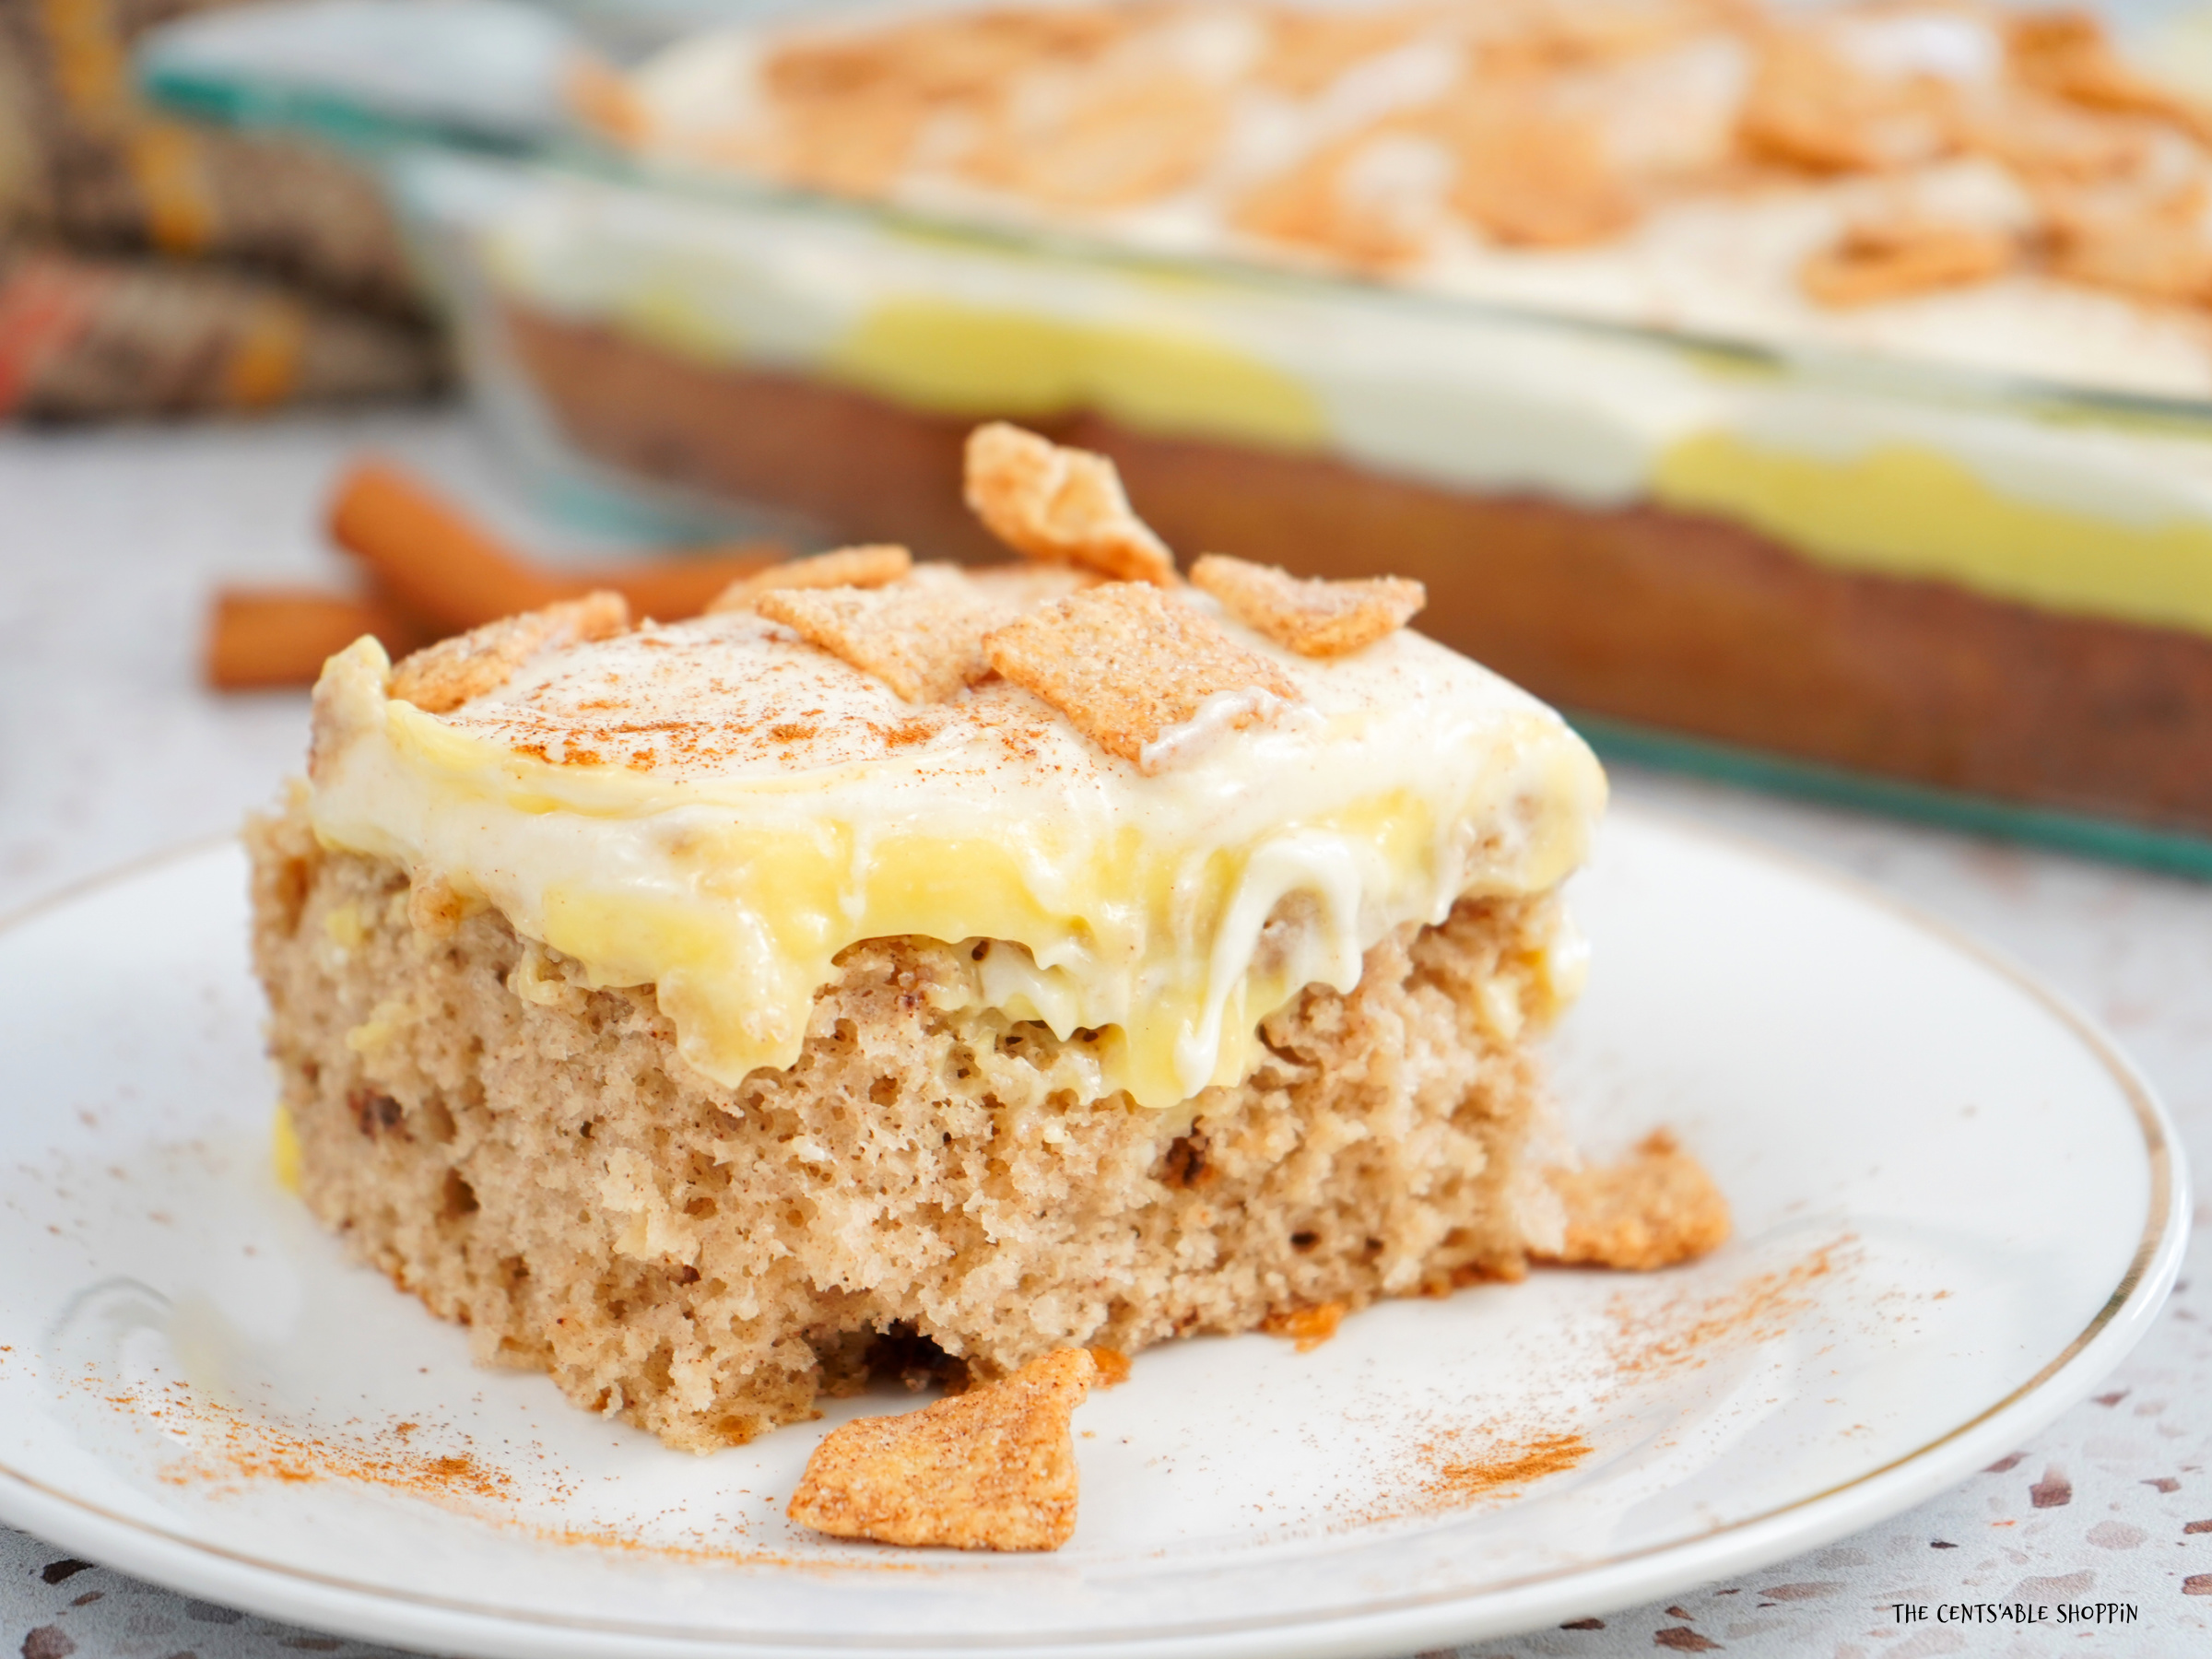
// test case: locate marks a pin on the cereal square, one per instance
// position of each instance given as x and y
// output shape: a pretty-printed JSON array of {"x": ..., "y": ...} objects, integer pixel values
[
  {"x": 924, "y": 641},
  {"x": 869, "y": 566},
  {"x": 439, "y": 679},
  {"x": 1315, "y": 618},
  {"x": 1126, "y": 662},
  {"x": 993, "y": 1468}
]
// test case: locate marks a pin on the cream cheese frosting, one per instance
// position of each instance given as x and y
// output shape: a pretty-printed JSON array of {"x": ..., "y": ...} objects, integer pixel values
[
  {"x": 1722, "y": 262},
  {"x": 716, "y": 808}
]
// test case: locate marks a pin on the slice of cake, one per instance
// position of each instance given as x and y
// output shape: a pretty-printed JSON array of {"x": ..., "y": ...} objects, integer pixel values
[{"x": 903, "y": 961}]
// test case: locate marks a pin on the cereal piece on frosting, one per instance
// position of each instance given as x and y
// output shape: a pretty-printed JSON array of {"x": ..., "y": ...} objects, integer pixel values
[
  {"x": 869, "y": 566},
  {"x": 2155, "y": 250},
  {"x": 1534, "y": 178},
  {"x": 993, "y": 1468},
  {"x": 1065, "y": 504},
  {"x": 1309, "y": 49},
  {"x": 1871, "y": 263},
  {"x": 1814, "y": 107},
  {"x": 1312, "y": 204},
  {"x": 1315, "y": 618},
  {"x": 1651, "y": 1210},
  {"x": 1103, "y": 142},
  {"x": 2069, "y": 55},
  {"x": 440, "y": 678},
  {"x": 1127, "y": 663},
  {"x": 924, "y": 641}
]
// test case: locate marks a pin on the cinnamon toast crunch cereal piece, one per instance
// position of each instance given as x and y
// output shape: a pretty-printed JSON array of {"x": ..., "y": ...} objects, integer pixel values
[
  {"x": 440, "y": 678},
  {"x": 848, "y": 147},
  {"x": 953, "y": 57},
  {"x": 1315, "y": 618},
  {"x": 1066, "y": 504},
  {"x": 1307, "y": 50},
  {"x": 1311, "y": 205},
  {"x": 993, "y": 1468},
  {"x": 868, "y": 567},
  {"x": 923, "y": 643},
  {"x": 1651, "y": 1210},
  {"x": 2044, "y": 141},
  {"x": 1126, "y": 663},
  {"x": 1113, "y": 145},
  {"x": 1811, "y": 107},
  {"x": 1535, "y": 179},
  {"x": 2152, "y": 251},
  {"x": 1873, "y": 263},
  {"x": 604, "y": 99},
  {"x": 2069, "y": 55}
]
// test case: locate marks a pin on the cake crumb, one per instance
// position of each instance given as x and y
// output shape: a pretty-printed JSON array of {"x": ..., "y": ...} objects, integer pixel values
[
  {"x": 437, "y": 908},
  {"x": 1125, "y": 663},
  {"x": 1315, "y": 619},
  {"x": 1308, "y": 1327},
  {"x": 440, "y": 678},
  {"x": 993, "y": 1468},
  {"x": 1113, "y": 1367},
  {"x": 923, "y": 643},
  {"x": 1063, "y": 504},
  {"x": 1650, "y": 1210},
  {"x": 874, "y": 566}
]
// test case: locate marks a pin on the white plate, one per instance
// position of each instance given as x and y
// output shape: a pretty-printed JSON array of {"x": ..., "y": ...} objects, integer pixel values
[{"x": 1957, "y": 1208}]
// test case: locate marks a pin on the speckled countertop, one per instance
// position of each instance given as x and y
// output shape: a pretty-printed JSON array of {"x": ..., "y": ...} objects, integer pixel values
[{"x": 109, "y": 542}]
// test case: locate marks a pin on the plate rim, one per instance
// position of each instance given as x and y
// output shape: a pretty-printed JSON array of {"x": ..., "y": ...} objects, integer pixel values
[{"x": 300, "y": 1596}]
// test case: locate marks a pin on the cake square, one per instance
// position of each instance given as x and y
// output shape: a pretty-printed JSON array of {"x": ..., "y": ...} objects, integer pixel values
[{"x": 702, "y": 1022}]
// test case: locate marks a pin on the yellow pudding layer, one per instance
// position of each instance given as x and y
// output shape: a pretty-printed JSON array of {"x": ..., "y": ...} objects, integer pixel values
[
  {"x": 2103, "y": 514},
  {"x": 717, "y": 810},
  {"x": 1901, "y": 509},
  {"x": 958, "y": 359}
]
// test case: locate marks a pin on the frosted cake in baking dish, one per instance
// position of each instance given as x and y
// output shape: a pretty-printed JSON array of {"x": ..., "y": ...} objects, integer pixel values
[
  {"x": 1921, "y": 532},
  {"x": 903, "y": 966},
  {"x": 1718, "y": 167}
]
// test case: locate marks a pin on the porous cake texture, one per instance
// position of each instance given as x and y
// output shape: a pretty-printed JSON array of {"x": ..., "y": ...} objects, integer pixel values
[{"x": 533, "y": 1157}]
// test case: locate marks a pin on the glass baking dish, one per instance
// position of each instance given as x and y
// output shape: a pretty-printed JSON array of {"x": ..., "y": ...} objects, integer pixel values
[{"x": 1864, "y": 560}]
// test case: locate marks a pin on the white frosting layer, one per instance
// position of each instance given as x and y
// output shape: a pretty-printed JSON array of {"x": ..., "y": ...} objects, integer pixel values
[
  {"x": 1719, "y": 265},
  {"x": 718, "y": 809}
]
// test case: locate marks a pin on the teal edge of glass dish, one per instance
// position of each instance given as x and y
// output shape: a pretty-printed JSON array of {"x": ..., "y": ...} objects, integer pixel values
[
  {"x": 332, "y": 117},
  {"x": 2096, "y": 838}
]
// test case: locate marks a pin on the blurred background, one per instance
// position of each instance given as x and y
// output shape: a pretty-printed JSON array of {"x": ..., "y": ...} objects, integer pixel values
[
  {"x": 1812, "y": 396},
  {"x": 1814, "y": 401}
]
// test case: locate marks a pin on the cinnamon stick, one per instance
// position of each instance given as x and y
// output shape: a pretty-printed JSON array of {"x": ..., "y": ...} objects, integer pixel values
[
  {"x": 259, "y": 638},
  {"x": 433, "y": 559},
  {"x": 442, "y": 565}
]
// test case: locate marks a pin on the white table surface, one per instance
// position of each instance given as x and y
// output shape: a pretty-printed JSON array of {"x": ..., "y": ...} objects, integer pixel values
[{"x": 109, "y": 749}]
